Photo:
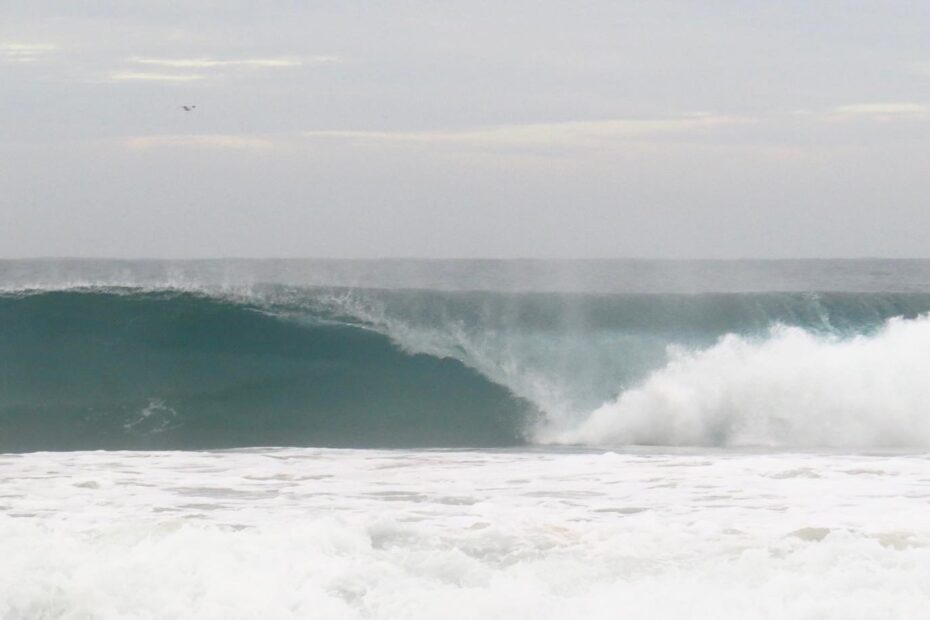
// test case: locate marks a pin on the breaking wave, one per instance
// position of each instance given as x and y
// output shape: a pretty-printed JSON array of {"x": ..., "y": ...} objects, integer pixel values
[
  {"x": 790, "y": 388},
  {"x": 168, "y": 368}
]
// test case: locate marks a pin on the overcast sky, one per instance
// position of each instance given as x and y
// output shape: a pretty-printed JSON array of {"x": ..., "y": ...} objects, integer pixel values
[{"x": 718, "y": 129}]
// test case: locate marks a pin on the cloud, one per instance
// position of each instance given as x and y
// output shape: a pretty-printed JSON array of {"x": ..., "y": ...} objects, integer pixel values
[
  {"x": 578, "y": 134},
  {"x": 137, "y": 76},
  {"x": 564, "y": 134},
  {"x": 184, "y": 69},
  {"x": 200, "y": 141},
  {"x": 889, "y": 111},
  {"x": 24, "y": 52},
  {"x": 248, "y": 63}
]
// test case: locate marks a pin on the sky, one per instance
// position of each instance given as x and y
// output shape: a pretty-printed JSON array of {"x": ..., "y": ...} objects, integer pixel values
[{"x": 451, "y": 129}]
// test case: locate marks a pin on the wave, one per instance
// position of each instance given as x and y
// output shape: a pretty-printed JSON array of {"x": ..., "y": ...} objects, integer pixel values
[{"x": 124, "y": 367}]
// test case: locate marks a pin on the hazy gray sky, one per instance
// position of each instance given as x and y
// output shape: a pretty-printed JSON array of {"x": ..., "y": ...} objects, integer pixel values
[{"x": 461, "y": 129}]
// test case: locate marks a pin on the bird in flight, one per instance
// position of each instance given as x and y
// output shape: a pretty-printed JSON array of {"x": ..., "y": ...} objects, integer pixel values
[{"x": 188, "y": 108}]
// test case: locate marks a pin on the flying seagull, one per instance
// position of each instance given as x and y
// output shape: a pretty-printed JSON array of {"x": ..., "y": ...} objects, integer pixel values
[{"x": 188, "y": 108}]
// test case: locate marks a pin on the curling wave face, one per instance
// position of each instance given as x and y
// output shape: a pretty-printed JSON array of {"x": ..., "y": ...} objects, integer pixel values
[
  {"x": 212, "y": 367},
  {"x": 125, "y": 369}
]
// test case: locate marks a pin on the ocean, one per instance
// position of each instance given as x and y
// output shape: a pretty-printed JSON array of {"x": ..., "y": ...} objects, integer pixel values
[{"x": 464, "y": 439}]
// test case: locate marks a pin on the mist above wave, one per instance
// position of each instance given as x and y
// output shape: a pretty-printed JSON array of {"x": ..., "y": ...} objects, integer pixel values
[{"x": 498, "y": 275}]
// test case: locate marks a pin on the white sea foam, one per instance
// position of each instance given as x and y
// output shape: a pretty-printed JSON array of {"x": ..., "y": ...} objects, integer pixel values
[
  {"x": 303, "y": 533},
  {"x": 790, "y": 388}
]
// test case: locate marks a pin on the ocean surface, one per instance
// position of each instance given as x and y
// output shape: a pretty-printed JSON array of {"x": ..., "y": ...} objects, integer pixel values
[{"x": 464, "y": 439}]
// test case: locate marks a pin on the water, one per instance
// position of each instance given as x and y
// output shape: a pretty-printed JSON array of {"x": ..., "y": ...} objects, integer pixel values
[
  {"x": 298, "y": 533},
  {"x": 645, "y": 439}
]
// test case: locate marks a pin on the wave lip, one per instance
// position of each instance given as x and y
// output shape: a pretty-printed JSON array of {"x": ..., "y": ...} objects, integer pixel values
[{"x": 792, "y": 388}]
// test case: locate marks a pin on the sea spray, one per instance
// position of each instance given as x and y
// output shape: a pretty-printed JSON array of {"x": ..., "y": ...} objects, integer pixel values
[{"x": 791, "y": 388}]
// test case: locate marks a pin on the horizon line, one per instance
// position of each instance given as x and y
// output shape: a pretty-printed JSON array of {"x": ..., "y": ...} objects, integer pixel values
[{"x": 465, "y": 258}]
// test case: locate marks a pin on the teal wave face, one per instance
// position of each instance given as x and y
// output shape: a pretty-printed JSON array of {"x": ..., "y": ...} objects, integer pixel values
[{"x": 122, "y": 370}]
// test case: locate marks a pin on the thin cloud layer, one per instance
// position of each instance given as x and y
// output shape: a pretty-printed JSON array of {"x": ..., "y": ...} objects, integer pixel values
[
  {"x": 746, "y": 134},
  {"x": 200, "y": 141},
  {"x": 193, "y": 69},
  {"x": 890, "y": 111},
  {"x": 24, "y": 52},
  {"x": 248, "y": 63},
  {"x": 143, "y": 76},
  {"x": 564, "y": 134}
]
